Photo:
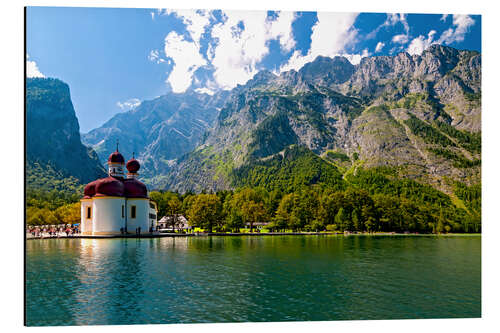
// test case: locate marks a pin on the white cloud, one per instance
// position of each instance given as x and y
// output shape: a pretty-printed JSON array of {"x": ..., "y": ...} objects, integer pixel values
[
  {"x": 462, "y": 24},
  {"x": 204, "y": 91},
  {"x": 400, "y": 39},
  {"x": 129, "y": 104},
  {"x": 238, "y": 44},
  {"x": 391, "y": 20},
  {"x": 243, "y": 41},
  {"x": 184, "y": 53},
  {"x": 443, "y": 18},
  {"x": 281, "y": 29},
  {"x": 154, "y": 56},
  {"x": 195, "y": 20},
  {"x": 330, "y": 35},
  {"x": 421, "y": 43},
  {"x": 455, "y": 34},
  {"x": 187, "y": 59},
  {"x": 241, "y": 45},
  {"x": 379, "y": 47},
  {"x": 356, "y": 58},
  {"x": 32, "y": 68}
]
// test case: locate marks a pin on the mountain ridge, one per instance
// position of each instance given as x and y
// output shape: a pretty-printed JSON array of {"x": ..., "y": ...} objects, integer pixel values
[
  {"x": 367, "y": 115},
  {"x": 396, "y": 111}
]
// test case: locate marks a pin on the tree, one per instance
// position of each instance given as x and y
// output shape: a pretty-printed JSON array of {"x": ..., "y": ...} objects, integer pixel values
[
  {"x": 246, "y": 206},
  {"x": 253, "y": 212},
  {"x": 284, "y": 214},
  {"x": 341, "y": 219},
  {"x": 34, "y": 216},
  {"x": 234, "y": 221},
  {"x": 161, "y": 204},
  {"x": 173, "y": 209},
  {"x": 50, "y": 218},
  {"x": 205, "y": 211},
  {"x": 68, "y": 214}
]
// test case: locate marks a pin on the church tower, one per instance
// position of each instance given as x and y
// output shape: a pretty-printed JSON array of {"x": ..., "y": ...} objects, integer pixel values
[{"x": 116, "y": 162}]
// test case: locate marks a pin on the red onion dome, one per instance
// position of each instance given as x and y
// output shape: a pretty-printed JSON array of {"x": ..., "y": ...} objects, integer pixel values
[
  {"x": 133, "y": 165},
  {"x": 109, "y": 186},
  {"x": 116, "y": 157},
  {"x": 89, "y": 190},
  {"x": 135, "y": 188}
]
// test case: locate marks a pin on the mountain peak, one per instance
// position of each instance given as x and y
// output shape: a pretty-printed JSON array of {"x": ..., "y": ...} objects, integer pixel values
[{"x": 334, "y": 70}]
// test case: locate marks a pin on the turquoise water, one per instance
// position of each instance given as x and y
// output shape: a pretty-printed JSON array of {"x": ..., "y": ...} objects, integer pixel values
[{"x": 252, "y": 278}]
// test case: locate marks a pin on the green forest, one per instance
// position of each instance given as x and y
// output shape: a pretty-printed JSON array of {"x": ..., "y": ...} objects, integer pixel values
[{"x": 299, "y": 191}]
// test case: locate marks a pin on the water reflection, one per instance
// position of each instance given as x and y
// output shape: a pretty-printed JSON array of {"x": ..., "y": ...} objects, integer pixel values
[{"x": 227, "y": 279}]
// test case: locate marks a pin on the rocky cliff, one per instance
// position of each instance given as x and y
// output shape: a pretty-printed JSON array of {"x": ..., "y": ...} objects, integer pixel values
[
  {"x": 158, "y": 131},
  {"x": 420, "y": 115},
  {"x": 53, "y": 137}
]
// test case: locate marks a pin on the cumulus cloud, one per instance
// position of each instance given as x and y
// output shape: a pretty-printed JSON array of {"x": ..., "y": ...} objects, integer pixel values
[
  {"x": 238, "y": 44},
  {"x": 32, "y": 68},
  {"x": 204, "y": 90},
  {"x": 195, "y": 20},
  {"x": 356, "y": 58},
  {"x": 129, "y": 104},
  {"x": 391, "y": 20},
  {"x": 154, "y": 56},
  {"x": 455, "y": 34},
  {"x": 184, "y": 52},
  {"x": 379, "y": 47},
  {"x": 187, "y": 59},
  {"x": 281, "y": 29},
  {"x": 461, "y": 24},
  {"x": 243, "y": 41},
  {"x": 330, "y": 35},
  {"x": 419, "y": 44},
  {"x": 400, "y": 39}
]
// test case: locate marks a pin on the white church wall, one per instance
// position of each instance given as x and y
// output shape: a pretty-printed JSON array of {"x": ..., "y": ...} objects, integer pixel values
[
  {"x": 153, "y": 212},
  {"x": 86, "y": 223},
  {"x": 107, "y": 215},
  {"x": 141, "y": 217}
]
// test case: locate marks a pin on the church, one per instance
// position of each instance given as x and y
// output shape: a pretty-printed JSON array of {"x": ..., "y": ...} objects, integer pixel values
[{"x": 117, "y": 204}]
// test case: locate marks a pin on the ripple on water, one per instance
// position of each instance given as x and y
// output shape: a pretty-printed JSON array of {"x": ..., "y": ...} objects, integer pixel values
[{"x": 238, "y": 279}]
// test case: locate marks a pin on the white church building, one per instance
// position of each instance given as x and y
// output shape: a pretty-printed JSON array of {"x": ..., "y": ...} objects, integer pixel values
[{"x": 117, "y": 204}]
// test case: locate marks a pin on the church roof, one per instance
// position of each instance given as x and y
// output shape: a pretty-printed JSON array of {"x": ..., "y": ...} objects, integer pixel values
[{"x": 116, "y": 157}]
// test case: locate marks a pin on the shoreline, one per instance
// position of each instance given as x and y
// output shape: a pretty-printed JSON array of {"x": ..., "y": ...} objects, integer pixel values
[{"x": 234, "y": 234}]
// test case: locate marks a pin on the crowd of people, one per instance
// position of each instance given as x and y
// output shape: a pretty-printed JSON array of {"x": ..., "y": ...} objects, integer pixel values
[{"x": 51, "y": 231}]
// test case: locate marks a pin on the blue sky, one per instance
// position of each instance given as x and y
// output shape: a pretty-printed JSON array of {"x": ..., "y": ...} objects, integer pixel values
[{"x": 114, "y": 58}]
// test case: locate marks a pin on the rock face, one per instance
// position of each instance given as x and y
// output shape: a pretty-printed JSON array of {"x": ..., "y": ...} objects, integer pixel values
[
  {"x": 52, "y": 133},
  {"x": 420, "y": 115},
  {"x": 158, "y": 131}
]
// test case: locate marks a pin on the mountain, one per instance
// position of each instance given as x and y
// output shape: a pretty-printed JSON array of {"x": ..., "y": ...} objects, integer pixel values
[
  {"x": 55, "y": 155},
  {"x": 158, "y": 131},
  {"x": 419, "y": 115}
]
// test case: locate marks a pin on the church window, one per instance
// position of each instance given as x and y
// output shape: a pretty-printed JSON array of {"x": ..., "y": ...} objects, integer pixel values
[
  {"x": 89, "y": 212},
  {"x": 132, "y": 212},
  {"x": 123, "y": 211}
]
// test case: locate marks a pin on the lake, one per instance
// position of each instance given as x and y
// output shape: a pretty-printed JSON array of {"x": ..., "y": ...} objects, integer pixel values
[{"x": 251, "y": 278}]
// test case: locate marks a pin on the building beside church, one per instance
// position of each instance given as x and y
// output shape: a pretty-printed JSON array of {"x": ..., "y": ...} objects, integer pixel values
[{"x": 117, "y": 204}]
